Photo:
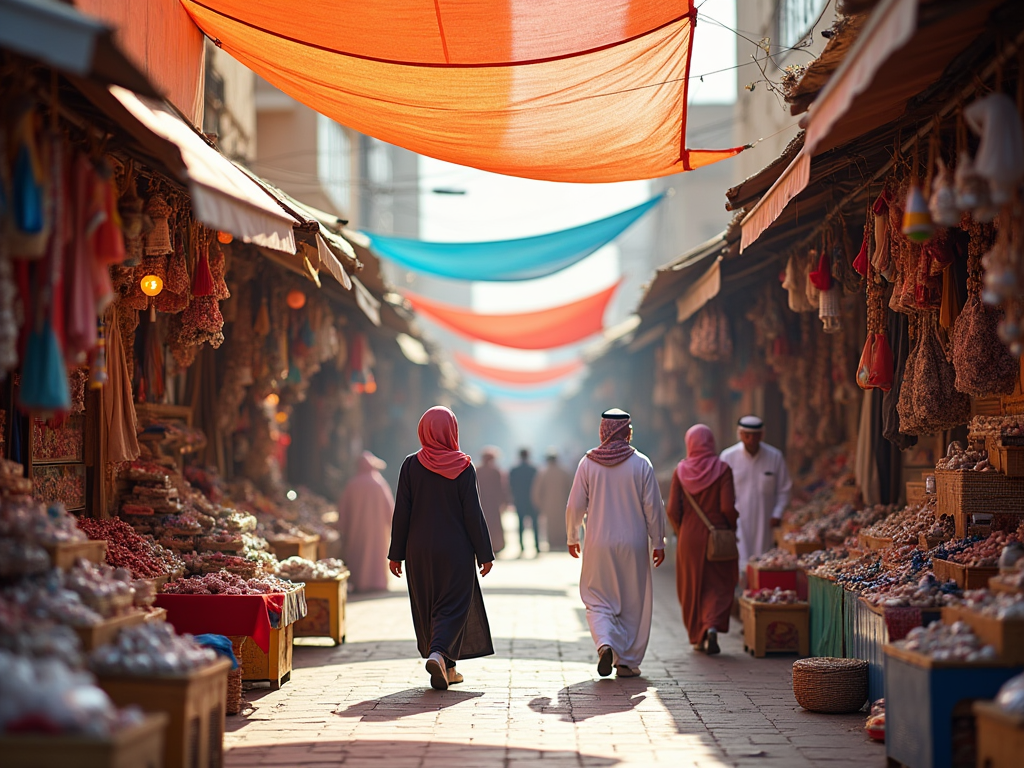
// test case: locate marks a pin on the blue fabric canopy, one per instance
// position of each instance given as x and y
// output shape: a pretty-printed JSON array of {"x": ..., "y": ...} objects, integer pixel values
[
  {"x": 507, "y": 260},
  {"x": 498, "y": 392}
]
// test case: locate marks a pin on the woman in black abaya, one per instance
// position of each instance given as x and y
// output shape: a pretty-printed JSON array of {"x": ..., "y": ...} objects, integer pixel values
[{"x": 439, "y": 531}]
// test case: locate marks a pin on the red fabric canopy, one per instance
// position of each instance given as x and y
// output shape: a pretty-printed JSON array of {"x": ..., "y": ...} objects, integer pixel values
[
  {"x": 546, "y": 329},
  {"x": 563, "y": 90},
  {"x": 521, "y": 378}
]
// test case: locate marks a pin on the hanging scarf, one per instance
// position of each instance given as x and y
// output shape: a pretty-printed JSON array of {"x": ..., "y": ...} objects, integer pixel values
[
  {"x": 439, "y": 435},
  {"x": 614, "y": 448},
  {"x": 701, "y": 467}
]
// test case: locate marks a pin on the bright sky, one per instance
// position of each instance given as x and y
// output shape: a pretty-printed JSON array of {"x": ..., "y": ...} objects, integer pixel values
[{"x": 502, "y": 207}]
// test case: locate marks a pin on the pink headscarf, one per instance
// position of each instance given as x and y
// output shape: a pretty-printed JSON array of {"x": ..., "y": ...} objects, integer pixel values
[
  {"x": 701, "y": 467},
  {"x": 439, "y": 436}
]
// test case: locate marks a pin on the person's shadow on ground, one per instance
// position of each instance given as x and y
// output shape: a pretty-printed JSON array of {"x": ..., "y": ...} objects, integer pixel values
[
  {"x": 414, "y": 701},
  {"x": 593, "y": 698}
]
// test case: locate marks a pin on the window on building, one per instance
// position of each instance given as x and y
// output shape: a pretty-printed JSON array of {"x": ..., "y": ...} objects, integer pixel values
[
  {"x": 796, "y": 18},
  {"x": 334, "y": 161}
]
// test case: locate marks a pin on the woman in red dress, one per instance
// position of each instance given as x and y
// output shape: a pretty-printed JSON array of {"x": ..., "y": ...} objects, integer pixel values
[{"x": 706, "y": 589}]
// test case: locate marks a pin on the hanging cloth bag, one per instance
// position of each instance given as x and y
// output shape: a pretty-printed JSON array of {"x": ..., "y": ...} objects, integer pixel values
[{"x": 721, "y": 541}]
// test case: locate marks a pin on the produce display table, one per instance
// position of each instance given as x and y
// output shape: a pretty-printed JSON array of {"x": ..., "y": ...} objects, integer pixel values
[
  {"x": 774, "y": 628},
  {"x": 794, "y": 579},
  {"x": 194, "y": 705},
  {"x": 929, "y": 723},
  {"x": 247, "y": 615},
  {"x": 141, "y": 746},
  {"x": 325, "y": 609},
  {"x": 1000, "y": 736},
  {"x": 826, "y": 616}
]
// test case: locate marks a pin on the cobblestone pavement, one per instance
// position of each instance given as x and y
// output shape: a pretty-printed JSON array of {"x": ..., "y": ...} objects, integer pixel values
[{"x": 538, "y": 700}]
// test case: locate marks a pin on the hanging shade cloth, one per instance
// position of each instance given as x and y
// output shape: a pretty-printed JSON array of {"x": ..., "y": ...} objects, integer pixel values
[
  {"x": 519, "y": 394},
  {"x": 546, "y": 329},
  {"x": 526, "y": 258},
  {"x": 516, "y": 378},
  {"x": 582, "y": 91}
]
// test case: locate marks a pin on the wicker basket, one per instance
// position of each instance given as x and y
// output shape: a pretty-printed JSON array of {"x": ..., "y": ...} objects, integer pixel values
[
  {"x": 829, "y": 685},
  {"x": 233, "y": 704}
]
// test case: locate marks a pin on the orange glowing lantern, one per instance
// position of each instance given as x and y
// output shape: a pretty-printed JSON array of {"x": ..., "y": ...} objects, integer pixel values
[
  {"x": 370, "y": 386},
  {"x": 224, "y": 237},
  {"x": 296, "y": 299},
  {"x": 151, "y": 285}
]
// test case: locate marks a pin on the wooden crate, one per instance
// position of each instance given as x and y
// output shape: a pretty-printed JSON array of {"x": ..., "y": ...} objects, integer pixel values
[
  {"x": 1008, "y": 459},
  {"x": 966, "y": 577},
  {"x": 325, "y": 609},
  {"x": 194, "y": 705},
  {"x": 105, "y": 632},
  {"x": 66, "y": 554},
  {"x": 769, "y": 628},
  {"x": 962, "y": 494},
  {"x": 141, "y": 746},
  {"x": 293, "y": 546},
  {"x": 873, "y": 542},
  {"x": 926, "y": 542},
  {"x": 1000, "y": 736},
  {"x": 800, "y": 547},
  {"x": 996, "y": 584},
  {"x": 274, "y": 667},
  {"x": 915, "y": 491},
  {"x": 1006, "y": 636}
]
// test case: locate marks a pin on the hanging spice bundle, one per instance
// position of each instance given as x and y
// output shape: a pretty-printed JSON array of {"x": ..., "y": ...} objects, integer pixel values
[
  {"x": 174, "y": 297},
  {"x": 984, "y": 366},
  {"x": 158, "y": 239},
  {"x": 874, "y": 371},
  {"x": 710, "y": 339}
]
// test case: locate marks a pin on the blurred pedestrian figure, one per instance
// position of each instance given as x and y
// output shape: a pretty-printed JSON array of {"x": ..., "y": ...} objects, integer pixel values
[
  {"x": 494, "y": 495},
  {"x": 550, "y": 494},
  {"x": 440, "y": 532},
  {"x": 763, "y": 487},
  {"x": 615, "y": 494},
  {"x": 364, "y": 523},
  {"x": 702, "y": 495},
  {"x": 521, "y": 478}
]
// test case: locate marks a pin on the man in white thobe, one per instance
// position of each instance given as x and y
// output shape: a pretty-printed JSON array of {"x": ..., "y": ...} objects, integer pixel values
[
  {"x": 615, "y": 495},
  {"x": 763, "y": 488}
]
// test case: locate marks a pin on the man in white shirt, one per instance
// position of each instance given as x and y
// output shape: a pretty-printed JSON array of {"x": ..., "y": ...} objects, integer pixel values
[{"x": 762, "y": 485}]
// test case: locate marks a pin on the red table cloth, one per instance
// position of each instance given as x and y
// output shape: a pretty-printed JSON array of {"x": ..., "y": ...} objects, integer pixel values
[{"x": 249, "y": 615}]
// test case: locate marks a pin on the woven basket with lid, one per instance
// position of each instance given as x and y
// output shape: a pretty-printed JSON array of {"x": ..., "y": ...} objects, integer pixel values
[{"x": 830, "y": 685}]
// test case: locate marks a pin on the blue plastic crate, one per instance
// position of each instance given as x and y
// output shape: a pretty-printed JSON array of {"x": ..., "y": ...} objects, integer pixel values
[{"x": 920, "y": 703}]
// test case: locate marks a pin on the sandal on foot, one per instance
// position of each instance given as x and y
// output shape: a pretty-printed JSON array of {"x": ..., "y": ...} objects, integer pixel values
[
  {"x": 604, "y": 662},
  {"x": 454, "y": 677},
  {"x": 713, "y": 647},
  {"x": 621, "y": 670},
  {"x": 438, "y": 674}
]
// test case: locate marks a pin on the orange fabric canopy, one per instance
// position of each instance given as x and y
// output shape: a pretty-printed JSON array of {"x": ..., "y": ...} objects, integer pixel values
[
  {"x": 546, "y": 329},
  {"x": 579, "y": 91},
  {"x": 517, "y": 378}
]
